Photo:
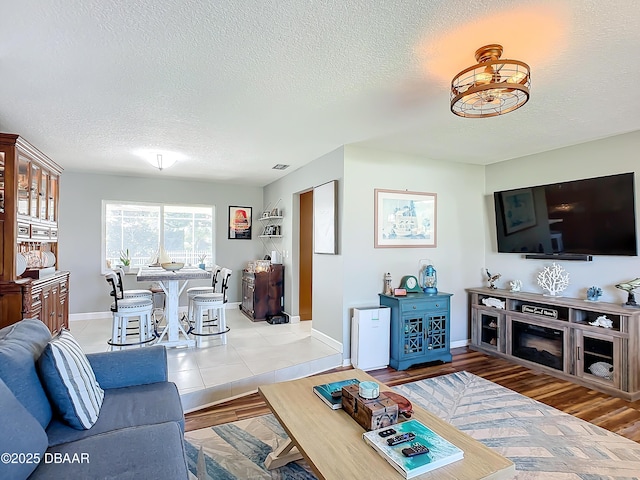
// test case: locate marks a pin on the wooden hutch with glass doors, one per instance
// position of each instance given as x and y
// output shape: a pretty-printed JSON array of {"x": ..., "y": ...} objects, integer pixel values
[{"x": 31, "y": 285}]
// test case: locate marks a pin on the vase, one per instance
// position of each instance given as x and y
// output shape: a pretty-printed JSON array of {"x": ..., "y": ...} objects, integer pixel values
[{"x": 201, "y": 266}]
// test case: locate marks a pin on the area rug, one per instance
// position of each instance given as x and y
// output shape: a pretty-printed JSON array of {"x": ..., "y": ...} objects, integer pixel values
[
  {"x": 544, "y": 443},
  {"x": 237, "y": 451}
]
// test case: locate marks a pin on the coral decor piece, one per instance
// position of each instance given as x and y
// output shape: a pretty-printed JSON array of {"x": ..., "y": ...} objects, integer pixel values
[
  {"x": 516, "y": 285},
  {"x": 594, "y": 293},
  {"x": 553, "y": 279}
]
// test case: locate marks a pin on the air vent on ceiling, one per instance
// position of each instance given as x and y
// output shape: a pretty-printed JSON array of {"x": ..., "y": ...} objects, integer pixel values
[{"x": 280, "y": 166}]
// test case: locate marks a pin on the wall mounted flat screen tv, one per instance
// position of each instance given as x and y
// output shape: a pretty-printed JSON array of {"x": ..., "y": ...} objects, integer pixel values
[{"x": 594, "y": 216}]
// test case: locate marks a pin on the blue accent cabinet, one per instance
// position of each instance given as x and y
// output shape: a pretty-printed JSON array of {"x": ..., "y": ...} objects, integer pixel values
[{"x": 419, "y": 328}]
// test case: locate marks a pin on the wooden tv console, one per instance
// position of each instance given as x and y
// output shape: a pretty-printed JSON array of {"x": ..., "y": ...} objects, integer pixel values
[{"x": 555, "y": 335}]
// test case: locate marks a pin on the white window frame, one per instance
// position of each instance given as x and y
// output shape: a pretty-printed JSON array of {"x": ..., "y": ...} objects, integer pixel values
[{"x": 103, "y": 240}]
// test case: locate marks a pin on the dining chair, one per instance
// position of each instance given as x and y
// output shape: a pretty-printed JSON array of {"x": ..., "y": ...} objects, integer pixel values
[
  {"x": 135, "y": 309},
  {"x": 211, "y": 306},
  {"x": 193, "y": 291},
  {"x": 134, "y": 293}
]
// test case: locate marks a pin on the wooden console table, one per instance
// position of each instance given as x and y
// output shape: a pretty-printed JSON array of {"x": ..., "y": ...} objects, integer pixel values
[{"x": 560, "y": 338}]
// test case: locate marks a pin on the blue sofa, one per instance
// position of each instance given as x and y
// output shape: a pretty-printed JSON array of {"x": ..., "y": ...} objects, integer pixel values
[{"x": 139, "y": 431}]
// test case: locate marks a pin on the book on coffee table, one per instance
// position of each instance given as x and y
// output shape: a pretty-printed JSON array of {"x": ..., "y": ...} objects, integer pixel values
[
  {"x": 325, "y": 391},
  {"x": 441, "y": 452}
]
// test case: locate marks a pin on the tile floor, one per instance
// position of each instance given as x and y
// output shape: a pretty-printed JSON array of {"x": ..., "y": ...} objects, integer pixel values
[{"x": 255, "y": 354}]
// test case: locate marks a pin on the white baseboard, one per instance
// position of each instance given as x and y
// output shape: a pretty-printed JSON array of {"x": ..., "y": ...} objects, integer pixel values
[
  {"x": 346, "y": 362},
  {"x": 327, "y": 340},
  {"x": 460, "y": 343},
  {"x": 102, "y": 315},
  {"x": 89, "y": 316}
]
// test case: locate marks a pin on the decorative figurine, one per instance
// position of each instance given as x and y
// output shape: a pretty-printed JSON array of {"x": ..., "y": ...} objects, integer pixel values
[
  {"x": 553, "y": 279},
  {"x": 629, "y": 287},
  {"x": 492, "y": 279},
  {"x": 602, "y": 369},
  {"x": 387, "y": 284},
  {"x": 494, "y": 302},
  {"x": 516, "y": 285},
  {"x": 602, "y": 321},
  {"x": 593, "y": 294}
]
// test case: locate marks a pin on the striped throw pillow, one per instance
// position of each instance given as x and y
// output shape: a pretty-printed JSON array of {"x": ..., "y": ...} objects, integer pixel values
[{"x": 70, "y": 382}]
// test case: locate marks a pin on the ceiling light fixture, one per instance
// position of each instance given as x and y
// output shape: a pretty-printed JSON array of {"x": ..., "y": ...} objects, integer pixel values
[
  {"x": 492, "y": 87},
  {"x": 159, "y": 161}
]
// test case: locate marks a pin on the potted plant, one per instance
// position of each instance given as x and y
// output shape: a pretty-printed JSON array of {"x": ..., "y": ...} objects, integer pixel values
[
  {"x": 201, "y": 259},
  {"x": 125, "y": 259}
]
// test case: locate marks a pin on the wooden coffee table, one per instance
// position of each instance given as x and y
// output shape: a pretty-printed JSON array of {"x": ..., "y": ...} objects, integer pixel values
[{"x": 331, "y": 441}]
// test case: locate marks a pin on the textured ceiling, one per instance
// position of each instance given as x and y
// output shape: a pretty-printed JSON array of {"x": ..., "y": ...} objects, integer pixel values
[{"x": 234, "y": 88}]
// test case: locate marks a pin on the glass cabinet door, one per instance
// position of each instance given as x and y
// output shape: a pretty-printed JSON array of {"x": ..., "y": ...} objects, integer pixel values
[
  {"x": 413, "y": 338},
  {"x": 598, "y": 357},
  {"x": 43, "y": 196},
  {"x": 53, "y": 194},
  {"x": 24, "y": 168},
  {"x": 35, "y": 189}
]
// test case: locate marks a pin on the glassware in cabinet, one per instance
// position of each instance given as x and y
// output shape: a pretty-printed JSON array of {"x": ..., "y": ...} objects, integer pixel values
[
  {"x": 24, "y": 168},
  {"x": 35, "y": 188},
  {"x": 43, "y": 194},
  {"x": 53, "y": 195}
]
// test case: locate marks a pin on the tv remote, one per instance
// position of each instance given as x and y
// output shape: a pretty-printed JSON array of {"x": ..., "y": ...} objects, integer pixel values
[
  {"x": 387, "y": 432},
  {"x": 414, "y": 450},
  {"x": 398, "y": 439}
]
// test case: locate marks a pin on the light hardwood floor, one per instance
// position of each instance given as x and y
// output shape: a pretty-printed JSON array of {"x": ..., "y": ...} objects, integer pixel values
[{"x": 611, "y": 413}]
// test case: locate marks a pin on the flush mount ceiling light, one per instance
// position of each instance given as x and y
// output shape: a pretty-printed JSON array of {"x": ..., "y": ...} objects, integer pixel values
[
  {"x": 492, "y": 87},
  {"x": 159, "y": 159},
  {"x": 160, "y": 162}
]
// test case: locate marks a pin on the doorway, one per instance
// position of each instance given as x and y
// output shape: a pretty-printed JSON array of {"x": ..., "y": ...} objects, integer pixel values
[{"x": 305, "y": 273}]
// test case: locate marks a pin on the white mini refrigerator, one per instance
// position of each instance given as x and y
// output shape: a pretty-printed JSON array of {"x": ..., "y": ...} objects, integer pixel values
[{"x": 370, "y": 337}]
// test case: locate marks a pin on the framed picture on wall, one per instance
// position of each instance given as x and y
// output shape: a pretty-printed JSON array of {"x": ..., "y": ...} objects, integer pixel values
[
  {"x": 324, "y": 218},
  {"x": 239, "y": 223},
  {"x": 404, "y": 219}
]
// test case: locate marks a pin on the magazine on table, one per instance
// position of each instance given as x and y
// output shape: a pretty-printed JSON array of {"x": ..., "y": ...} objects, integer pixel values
[
  {"x": 412, "y": 448},
  {"x": 331, "y": 393}
]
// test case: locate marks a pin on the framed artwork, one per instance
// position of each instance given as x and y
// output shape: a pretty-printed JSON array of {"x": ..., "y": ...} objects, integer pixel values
[
  {"x": 324, "y": 218},
  {"x": 404, "y": 219},
  {"x": 240, "y": 223},
  {"x": 518, "y": 210}
]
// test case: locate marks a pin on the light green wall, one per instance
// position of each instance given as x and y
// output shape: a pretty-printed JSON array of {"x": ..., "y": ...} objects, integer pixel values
[
  {"x": 459, "y": 253},
  {"x": 328, "y": 291},
  {"x": 354, "y": 277},
  {"x": 608, "y": 156},
  {"x": 81, "y": 197}
]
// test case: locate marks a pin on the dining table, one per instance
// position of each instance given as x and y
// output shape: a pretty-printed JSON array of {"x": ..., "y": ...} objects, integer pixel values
[{"x": 173, "y": 334}]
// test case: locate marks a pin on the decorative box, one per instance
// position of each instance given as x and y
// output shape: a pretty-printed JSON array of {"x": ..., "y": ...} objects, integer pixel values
[{"x": 370, "y": 414}]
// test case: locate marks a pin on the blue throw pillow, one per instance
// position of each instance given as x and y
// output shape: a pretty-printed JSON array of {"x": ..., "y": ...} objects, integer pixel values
[
  {"x": 23, "y": 440},
  {"x": 21, "y": 344},
  {"x": 70, "y": 382}
]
